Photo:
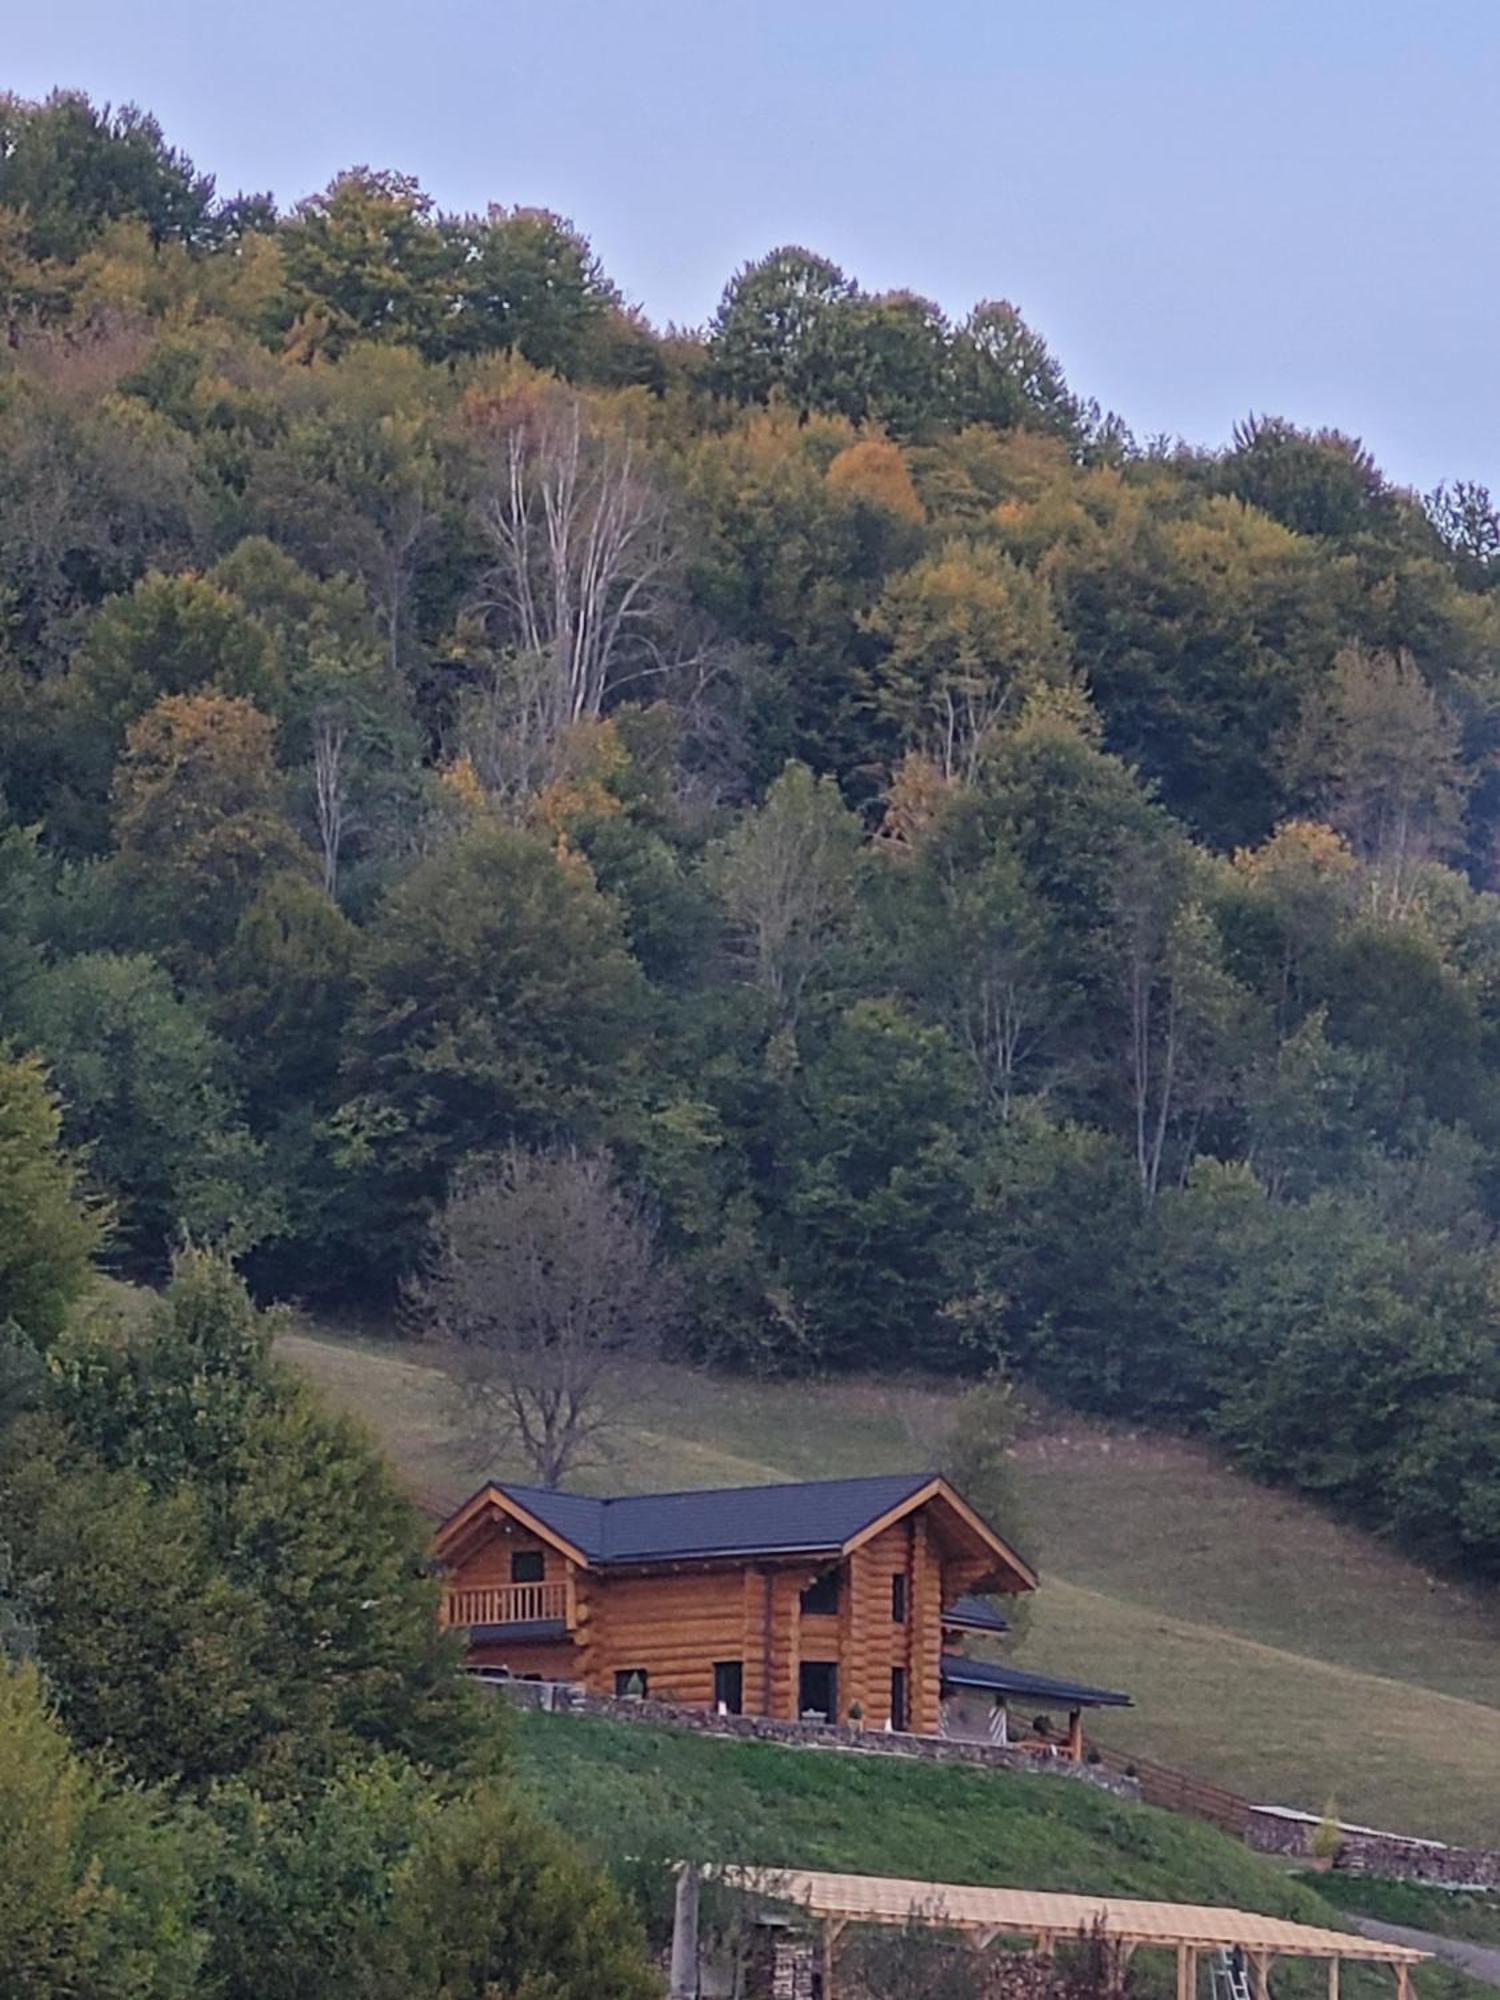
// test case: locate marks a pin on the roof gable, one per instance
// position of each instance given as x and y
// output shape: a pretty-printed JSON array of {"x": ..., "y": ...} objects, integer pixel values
[{"x": 813, "y": 1517}]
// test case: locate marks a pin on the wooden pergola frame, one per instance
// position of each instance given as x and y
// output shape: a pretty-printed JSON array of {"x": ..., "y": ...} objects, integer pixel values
[{"x": 981, "y": 1915}]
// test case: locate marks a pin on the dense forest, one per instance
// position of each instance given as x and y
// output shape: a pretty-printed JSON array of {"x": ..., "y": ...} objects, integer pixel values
[{"x": 1003, "y": 890}]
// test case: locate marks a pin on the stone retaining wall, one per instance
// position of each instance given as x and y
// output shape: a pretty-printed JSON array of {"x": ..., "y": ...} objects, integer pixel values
[
  {"x": 1363, "y": 1850},
  {"x": 561, "y": 1697}
]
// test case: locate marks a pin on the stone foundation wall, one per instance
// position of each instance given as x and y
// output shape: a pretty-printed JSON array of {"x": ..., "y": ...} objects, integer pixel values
[{"x": 559, "y": 1697}]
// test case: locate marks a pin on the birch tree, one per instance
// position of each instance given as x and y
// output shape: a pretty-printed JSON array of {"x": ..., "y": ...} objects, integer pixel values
[{"x": 582, "y": 558}]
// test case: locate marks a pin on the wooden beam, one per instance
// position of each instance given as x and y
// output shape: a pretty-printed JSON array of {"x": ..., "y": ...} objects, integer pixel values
[
  {"x": 833, "y": 1930},
  {"x": 1403, "y": 1981},
  {"x": 683, "y": 1980},
  {"x": 1333, "y": 1979},
  {"x": 1075, "y": 1735},
  {"x": 1261, "y": 1962}
]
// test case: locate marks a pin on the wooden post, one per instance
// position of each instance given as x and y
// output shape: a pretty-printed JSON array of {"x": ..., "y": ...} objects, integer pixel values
[
  {"x": 1075, "y": 1736},
  {"x": 1403, "y": 1981},
  {"x": 1333, "y": 1978},
  {"x": 1184, "y": 1972},
  {"x": 832, "y": 1930},
  {"x": 1262, "y": 1965},
  {"x": 683, "y": 1980}
]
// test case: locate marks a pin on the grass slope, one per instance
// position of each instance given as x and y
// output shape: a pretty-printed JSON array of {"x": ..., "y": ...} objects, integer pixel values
[
  {"x": 1447, "y": 1912},
  {"x": 660, "y": 1793},
  {"x": 1267, "y": 1647}
]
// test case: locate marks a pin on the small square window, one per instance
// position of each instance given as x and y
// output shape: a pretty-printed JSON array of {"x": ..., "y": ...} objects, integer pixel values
[
  {"x": 898, "y": 1600},
  {"x": 821, "y": 1599},
  {"x": 630, "y": 1683},
  {"x": 527, "y": 1566}
]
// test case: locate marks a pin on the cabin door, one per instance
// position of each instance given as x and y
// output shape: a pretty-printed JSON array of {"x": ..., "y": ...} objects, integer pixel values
[{"x": 818, "y": 1689}]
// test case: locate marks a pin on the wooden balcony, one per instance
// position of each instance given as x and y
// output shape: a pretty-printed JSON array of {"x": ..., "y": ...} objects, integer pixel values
[{"x": 507, "y": 1604}]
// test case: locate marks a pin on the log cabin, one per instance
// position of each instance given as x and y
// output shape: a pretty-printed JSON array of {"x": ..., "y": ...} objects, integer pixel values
[{"x": 838, "y": 1599}]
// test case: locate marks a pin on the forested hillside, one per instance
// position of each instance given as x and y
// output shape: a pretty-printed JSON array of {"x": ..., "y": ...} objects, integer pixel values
[{"x": 1000, "y": 888}]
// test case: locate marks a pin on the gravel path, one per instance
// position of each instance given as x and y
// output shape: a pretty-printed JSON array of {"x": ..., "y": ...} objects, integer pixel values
[{"x": 1480, "y": 1961}]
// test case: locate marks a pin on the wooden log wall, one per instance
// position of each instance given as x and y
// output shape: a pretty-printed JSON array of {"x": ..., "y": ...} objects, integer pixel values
[
  {"x": 552, "y": 1661},
  {"x": 490, "y": 1562},
  {"x": 674, "y": 1628},
  {"x": 924, "y": 1631}
]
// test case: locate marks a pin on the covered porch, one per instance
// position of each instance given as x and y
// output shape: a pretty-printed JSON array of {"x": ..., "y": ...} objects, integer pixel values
[{"x": 986, "y": 1701}]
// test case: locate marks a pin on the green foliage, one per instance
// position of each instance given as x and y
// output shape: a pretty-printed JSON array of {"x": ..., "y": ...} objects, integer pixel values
[
  {"x": 46, "y": 1235},
  {"x": 1005, "y": 375},
  {"x": 1316, "y": 484},
  {"x": 70, "y": 168},
  {"x": 223, "y": 1576},
  {"x": 363, "y": 262},
  {"x": 300, "y": 1885},
  {"x": 965, "y": 636},
  {"x": 95, "y": 1892},
  {"x": 197, "y": 825},
  {"x": 148, "y": 1102},
  {"x": 776, "y": 330},
  {"x": 491, "y": 1893},
  {"x": 875, "y": 1192},
  {"x": 496, "y": 997},
  {"x": 173, "y": 635},
  {"x": 1009, "y": 893}
]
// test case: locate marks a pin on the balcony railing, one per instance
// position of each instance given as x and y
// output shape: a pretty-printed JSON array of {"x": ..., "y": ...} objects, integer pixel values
[{"x": 506, "y": 1604}]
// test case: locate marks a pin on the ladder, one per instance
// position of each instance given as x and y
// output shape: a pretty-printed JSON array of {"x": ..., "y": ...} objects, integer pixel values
[{"x": 1230, "y": 1976}]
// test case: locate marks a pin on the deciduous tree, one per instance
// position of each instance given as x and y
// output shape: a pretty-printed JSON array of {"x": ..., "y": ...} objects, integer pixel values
[{"x": 545, "y": 1282}]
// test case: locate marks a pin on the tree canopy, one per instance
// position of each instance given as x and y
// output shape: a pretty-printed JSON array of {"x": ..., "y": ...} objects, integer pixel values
[{"x": 994, "y": 890}]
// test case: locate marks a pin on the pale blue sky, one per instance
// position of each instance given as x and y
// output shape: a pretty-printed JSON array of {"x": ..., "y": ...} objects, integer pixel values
[{"x": 1208, "y": 206}]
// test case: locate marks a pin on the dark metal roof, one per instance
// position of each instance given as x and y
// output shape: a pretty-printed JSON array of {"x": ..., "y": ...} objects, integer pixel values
[
  {"x": 961, "y": 1673},
  {"x": 972, "y": 1614},
  {"x": 813, "y": 1515}
]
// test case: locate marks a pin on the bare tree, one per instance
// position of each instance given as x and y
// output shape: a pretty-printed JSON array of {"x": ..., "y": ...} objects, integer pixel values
[
  {"x": 330, "y": 790},
  {"x": 545, "y": 1280},
  {"x": 583, "y": 556}
]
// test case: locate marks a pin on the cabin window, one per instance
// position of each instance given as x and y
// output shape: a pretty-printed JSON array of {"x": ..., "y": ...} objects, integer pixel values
[
  {"x": 527, "y": 1566},
  {"x": 898, "y": 1697},
  {"x": 818, "y": 1690},
  {"x": 729, "y": 1686},
  {"x": 630, "y": 1683},
  {"x": 898, "y": 1600},
  {"x": 821, "y": 1599}
]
